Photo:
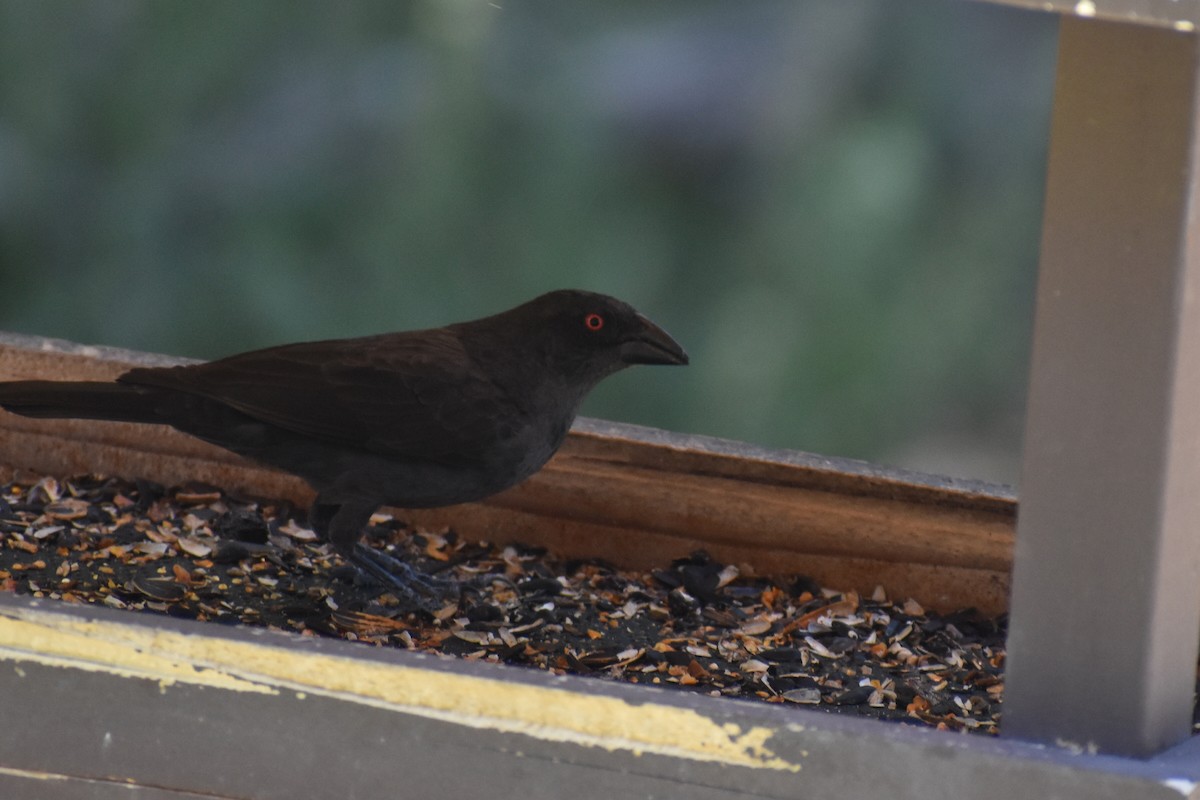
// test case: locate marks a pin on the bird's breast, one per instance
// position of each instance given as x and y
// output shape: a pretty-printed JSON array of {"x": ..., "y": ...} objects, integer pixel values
[{"x": 525, "y": 449}]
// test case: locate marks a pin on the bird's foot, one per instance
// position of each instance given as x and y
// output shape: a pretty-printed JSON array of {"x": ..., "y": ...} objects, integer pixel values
[
  {"x": 482, "y": 583},
  {"x": 410, "y": 585}
]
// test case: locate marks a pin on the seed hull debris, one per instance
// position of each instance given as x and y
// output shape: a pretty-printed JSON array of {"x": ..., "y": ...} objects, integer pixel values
[{"x": 199, "y": 553}]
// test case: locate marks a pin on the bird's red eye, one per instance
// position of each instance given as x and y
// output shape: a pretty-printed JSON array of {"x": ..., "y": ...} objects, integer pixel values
[{"x": 594, "y": 322}]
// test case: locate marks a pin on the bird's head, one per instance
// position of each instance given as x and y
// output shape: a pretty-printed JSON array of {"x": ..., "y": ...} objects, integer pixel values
[{"x": 586, "y": 336}]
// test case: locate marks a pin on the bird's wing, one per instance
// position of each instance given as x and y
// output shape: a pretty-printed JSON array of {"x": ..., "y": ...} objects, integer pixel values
[{"x": 413, "y": 395}]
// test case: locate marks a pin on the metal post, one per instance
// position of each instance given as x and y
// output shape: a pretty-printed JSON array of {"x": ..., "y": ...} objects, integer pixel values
[{"x": 1106, "y": 592}]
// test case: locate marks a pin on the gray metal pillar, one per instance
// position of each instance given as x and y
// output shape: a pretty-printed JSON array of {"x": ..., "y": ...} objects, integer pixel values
[{"x": 1106, "y": 588}]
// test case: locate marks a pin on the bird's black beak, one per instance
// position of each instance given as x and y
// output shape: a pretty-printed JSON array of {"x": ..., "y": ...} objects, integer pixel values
[{"x": 650, "y": 344}]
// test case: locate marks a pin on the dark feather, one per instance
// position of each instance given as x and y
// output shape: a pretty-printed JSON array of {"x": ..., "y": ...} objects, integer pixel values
[
  {"x": 82, "y": 400},
  {"x": 410, "y": 395}
]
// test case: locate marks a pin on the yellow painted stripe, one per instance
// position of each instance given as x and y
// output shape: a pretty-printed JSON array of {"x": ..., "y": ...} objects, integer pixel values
[{"x": 554, "y": 714}]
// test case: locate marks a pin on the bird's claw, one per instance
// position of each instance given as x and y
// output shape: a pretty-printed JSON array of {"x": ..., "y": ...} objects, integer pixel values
[
  {"x": 412, "y": 586},
  {"x": 481, "y": 583}
]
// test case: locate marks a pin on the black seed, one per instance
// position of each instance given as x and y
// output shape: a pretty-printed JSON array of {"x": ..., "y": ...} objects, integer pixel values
[
  {"x": 681, "y": 603},
  {"x": 840, "y": 644},
  {"x": 231, "y": 553},
  {"x": 782, "y": 654},
  {"x": 701, "y": 581},
  {"x": 241, "y": 526},
  {"x": 166, "y": 590},
  {"x": 667, "y": 578},
  {"x": 803, "y": 584},
  {"x": 346, "y": 573},
  {"x": 943, "y": 707},
  {"x": 484, "y": 612},
  {"x": 854, "y": 697},
  {"x": 678, "y": 658},
  {"x": 543, "y": 587}
]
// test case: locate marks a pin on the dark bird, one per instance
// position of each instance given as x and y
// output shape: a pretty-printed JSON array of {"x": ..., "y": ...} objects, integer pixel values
[{"x": 416, "y": 419}]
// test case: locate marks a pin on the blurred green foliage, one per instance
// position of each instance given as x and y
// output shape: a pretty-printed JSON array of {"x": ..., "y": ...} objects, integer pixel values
[{"x": 833, "y": 204}]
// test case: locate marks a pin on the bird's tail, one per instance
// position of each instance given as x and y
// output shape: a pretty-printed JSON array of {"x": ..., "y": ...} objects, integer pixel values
[{"x": 78, "y": 400}]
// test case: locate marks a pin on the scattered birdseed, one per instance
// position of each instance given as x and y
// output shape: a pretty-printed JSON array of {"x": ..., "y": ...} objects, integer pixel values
[{"x": 200, "y": 553}]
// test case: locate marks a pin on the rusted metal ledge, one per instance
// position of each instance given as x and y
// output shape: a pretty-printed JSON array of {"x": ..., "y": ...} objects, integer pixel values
[{"x": 634, "y": 496}]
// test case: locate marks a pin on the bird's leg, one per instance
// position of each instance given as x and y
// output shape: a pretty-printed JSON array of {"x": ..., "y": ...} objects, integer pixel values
[{"x": 342, "y": 524}]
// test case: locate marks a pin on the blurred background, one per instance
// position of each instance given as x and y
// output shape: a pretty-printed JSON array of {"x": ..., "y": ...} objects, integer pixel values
[{"x": 833, "y": 204}]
